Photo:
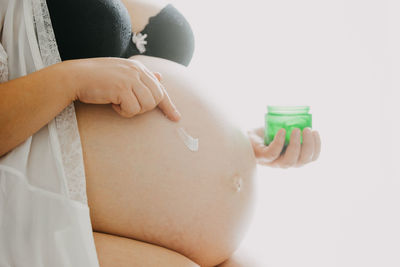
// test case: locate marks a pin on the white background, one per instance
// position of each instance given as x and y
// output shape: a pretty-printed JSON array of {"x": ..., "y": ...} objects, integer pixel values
[{"x": 341, "y": 57}]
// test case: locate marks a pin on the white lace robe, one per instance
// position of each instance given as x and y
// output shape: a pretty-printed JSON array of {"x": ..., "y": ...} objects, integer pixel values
[{"x": 44, "y": 217}]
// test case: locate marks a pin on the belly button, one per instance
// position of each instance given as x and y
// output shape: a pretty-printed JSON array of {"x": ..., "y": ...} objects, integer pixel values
[{"x": 237, "y": 183}]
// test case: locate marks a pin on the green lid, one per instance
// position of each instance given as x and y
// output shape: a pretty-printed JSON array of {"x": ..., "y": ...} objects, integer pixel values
[{"x": 288, "y": 109}]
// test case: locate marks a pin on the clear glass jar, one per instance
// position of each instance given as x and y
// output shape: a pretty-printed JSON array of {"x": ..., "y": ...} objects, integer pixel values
[{"x": 288, "y": 117}]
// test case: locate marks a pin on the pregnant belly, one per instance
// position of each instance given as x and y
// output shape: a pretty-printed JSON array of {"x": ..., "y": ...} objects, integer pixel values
[{"x": 145, "y": 183}]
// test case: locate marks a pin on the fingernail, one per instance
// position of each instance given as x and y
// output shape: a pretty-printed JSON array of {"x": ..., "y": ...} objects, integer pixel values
[
  {"x": 155, "y": 76},
  {"x": 282, "y": 133}
]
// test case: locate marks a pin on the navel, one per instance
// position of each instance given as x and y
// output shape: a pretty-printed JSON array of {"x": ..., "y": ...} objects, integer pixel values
[{"x": 237, "y": 183}]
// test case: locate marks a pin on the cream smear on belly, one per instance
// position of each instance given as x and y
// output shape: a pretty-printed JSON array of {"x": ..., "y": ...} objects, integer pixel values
[{"x": 191, "y": 143}]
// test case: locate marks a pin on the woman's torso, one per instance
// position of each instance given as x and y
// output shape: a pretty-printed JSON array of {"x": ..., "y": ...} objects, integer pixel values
[{"x": 144, "y": 183}]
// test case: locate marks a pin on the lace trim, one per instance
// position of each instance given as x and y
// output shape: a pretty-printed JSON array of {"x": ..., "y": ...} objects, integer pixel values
[
  {"x": 3, "y": 65},
  {"x": 66, "y": 123}
]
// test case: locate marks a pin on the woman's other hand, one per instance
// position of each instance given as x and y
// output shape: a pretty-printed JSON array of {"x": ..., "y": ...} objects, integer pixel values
[
  {"x": 296, "y": 154},
  {"x": 125, "y": 83}
]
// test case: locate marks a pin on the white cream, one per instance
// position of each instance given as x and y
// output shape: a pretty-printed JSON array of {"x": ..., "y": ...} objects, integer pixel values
[{"x": 191, "y": 143}]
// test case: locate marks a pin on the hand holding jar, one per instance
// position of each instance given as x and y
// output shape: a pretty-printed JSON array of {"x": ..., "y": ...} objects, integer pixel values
[{"x": 287, "y": 140}]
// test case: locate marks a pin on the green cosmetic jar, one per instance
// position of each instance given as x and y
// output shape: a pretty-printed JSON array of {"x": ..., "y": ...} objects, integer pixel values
[{"x": 287, "y": 117}]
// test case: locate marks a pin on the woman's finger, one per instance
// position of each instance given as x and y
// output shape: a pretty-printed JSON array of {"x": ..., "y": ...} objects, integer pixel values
[
  {"x": 129, "y": 105},
  {"x": 307, "y": 148},
  {"x": 144, "y": 95},
  {"x": 158, "y": 75},
  {"x": 165, "y": 103},
  {"x": 317, "y": 148},
  {"x": 260, "y": 131},
  {"x": 257, "y": 142},
  {"x": 152, "y": 82},
  {"x": 274, "y": 149},
  {"x": 168, "y": 108},
  {"x": 292, "y": 153}
]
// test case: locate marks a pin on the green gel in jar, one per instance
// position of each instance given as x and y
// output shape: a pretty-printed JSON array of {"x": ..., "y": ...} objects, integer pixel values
[{"x": 287, "y": 117}]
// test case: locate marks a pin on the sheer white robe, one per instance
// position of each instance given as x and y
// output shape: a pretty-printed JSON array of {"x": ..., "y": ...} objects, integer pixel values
[{"x": 44, "y": 217}]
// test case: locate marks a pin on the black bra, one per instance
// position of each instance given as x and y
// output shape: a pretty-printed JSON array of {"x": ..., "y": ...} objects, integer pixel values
[{"x": 102, "y": 28}]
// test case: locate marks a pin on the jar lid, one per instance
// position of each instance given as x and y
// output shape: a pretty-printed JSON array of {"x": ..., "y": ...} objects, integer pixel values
[{"x": 288, "y": 109}]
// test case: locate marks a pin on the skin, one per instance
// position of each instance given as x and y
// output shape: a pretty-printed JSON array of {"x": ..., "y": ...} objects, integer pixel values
[
  {"x": 39, "y": 98},
  {"x": 242, "y": 258},
  {"x": 43, "y": 97},
  {"x": 115, "y": 251},
  {"x": 105, "y": 157},
  {"x": 296, "y": 154},
  {"x": 136, "y": 90},
  {"x": 144, "y": 184},
  {"x": 30, "y": 102}
]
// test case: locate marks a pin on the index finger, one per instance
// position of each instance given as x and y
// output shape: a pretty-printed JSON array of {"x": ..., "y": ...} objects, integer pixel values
[{"x": 168, "y": 108}]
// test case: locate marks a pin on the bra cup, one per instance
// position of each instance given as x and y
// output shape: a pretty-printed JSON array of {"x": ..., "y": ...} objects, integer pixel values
[
  {"x": 102, "y": 28},
  {"x": 170, "y": 36},
  {"x": 90, "y": 28}
]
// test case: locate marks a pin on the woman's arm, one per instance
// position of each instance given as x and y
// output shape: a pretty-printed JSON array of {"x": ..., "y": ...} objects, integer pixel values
[{"x": 28, "y": 103}]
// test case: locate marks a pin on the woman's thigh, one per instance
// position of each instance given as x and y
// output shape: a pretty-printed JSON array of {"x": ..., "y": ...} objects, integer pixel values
[
  {"x": 115, "y": 251},
  {"x": 144, "y": 183}
]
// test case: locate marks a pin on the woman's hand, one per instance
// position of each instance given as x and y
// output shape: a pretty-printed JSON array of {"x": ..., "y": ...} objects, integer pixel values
[
  {"x": 296, "y": 154},
  {"x": 125, "y": 83}
]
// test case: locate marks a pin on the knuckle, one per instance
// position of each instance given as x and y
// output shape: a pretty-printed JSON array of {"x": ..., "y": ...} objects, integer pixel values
[
  {"x": 136, "y": 109},
  {"x": 127, "y": 113},
  {"x": 133, "y": 66},
  {"x": 133, "y": 61},
  {"x": 148, "y": 106},
  {"x": 117, "y": 89},
  {"x": 158, "y": 96},
  {"x": 130, "y": 112},
  {"x": 138, "y": 64},
  {"x": 157, "y": 100}
]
